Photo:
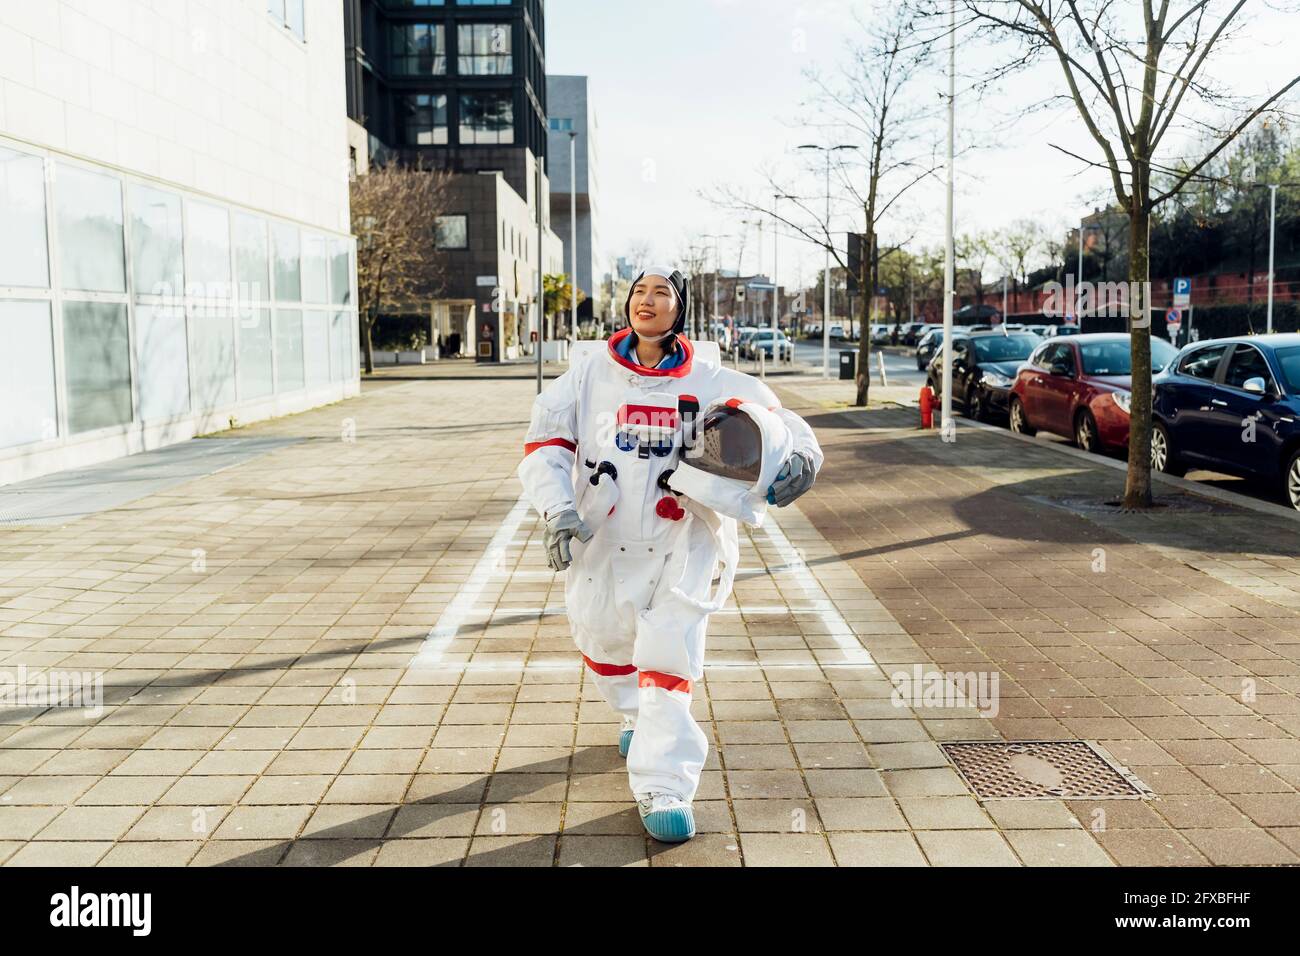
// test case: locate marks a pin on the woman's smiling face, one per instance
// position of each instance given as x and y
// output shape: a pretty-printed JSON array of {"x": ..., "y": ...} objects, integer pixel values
[{"x": 653, "y": 306}]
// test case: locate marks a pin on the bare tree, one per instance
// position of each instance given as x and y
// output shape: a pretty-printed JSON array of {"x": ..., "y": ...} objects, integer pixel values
[
  {"x": 867, "y": 103},
  {"x": 394, "y": 213},
  {"x": 1131, "y": 71}
]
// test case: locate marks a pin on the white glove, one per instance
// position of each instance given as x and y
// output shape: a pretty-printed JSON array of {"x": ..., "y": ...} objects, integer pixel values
[{"x": 561, "y": 528}]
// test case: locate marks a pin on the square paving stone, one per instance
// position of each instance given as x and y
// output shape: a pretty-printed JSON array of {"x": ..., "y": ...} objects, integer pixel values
[
  {"x": 1240, "y": 847},
  {"x": 512, "y": 851},
  {"x": 342, "y": 821},
  {"x": 1058, "y": 848},
  {"x": 966, "y": 848},
  {"x": 579, "y": 850},
  {"x": 51, "y": 853},
  {"x": 876, "y": 849},
  {"x": 944, "y": 813},
  {"x": 860, "y": 813},
  {"x": 306, "y": 852},
  {"x": 91, "y": 823},
  {"x": 264, "y": 823},
  {"x": 434, "y": 820},
  {"x": 156, "y": 853},
  {"x": 786, "y": 849},
  {"x": 432, "y": 852},
  {"x": 707, "y": 849}
]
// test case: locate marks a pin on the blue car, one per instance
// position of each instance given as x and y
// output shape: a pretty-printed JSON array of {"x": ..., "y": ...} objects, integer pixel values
[{"x": 1231, "y": 405}]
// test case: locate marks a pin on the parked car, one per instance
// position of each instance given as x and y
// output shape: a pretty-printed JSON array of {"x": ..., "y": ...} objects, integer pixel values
[
  {"x": 742, "y": 338},
  {"x": 912, "y": 332},
  {"x": 1214, "y": 393},
  {"x": 930, "y": 342},
  {"x": 1079, "y": 387},
  {"x": 1038, "y": 329},
  {"x": 773, "y": 345},
  {"x": 1055, "y": 330},
  {"x": 980, "y": 328},
  {"x": 984, "y": 365},
  {"x": 880, "y": 333},
  {"x": 837, "y": 331}
]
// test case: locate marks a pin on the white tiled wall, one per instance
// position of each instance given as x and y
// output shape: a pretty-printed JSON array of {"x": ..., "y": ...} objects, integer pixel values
[{"x": 212, "y": 95}]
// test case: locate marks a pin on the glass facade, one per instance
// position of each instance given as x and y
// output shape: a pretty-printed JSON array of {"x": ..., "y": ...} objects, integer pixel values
[
  {"x": 486, "y": 118},
  {"x": 418, "y": 49},
  {"x": 144, "y": 304},
  {"x": 423, "y": 119},
  {"x": 483, "y": 49}
]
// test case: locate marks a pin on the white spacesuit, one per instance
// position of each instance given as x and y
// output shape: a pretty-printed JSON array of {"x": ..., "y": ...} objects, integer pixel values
[{"x": 605, "y": 441}]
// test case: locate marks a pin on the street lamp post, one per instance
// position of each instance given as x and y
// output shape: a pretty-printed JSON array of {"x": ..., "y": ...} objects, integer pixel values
[
  {"x": 1272, "y": 229},
  {"x": 573, "y": 237},
  {"x": 826, "y": 275},
  {"x": 717, "y": 266},
  {"x": 949, "y": 262},
  {"x": 541, "y": 289}
]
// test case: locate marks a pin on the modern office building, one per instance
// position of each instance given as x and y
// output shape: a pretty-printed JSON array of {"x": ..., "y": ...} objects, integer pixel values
[
  {"x": 460, "y": 85},
  {"x": 573, "y": 132},
  {"x": 175, "y": 250}
]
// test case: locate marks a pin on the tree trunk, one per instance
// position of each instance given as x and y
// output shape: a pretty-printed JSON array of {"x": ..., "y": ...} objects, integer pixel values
[
  {"x": 370, "y": 346},
  {"x": 868, "y": 296},
  {"x": 1137, "y": 484}
]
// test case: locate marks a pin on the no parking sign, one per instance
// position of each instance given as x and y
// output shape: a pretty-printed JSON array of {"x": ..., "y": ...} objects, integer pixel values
[{"x": 1174, "y": 322}]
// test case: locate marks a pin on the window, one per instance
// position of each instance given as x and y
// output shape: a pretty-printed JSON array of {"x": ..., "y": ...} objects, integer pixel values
[
  {"x": 1203, "y": 362},
  {"x": 1289, "y": 359},
  {"x": 1004, "y": 348},
  {"x": 255, "y": 378},
  {"x": 486, "y": 118},
  {"x": 288, "y": 264},
  {"x": 1246, "y": 363},
  {"x": 560, "y": 124},
  {"x": 90, "y": 231},
  {"x": 340, "y": 272},
  {"x": 288, "y": 349},
  {"x": 212, "y": 356},
  {"x": 417, "y": 3},
  {"x": 27, "y": 369},
  {"x": 22, "y": 210},
  {"x": 1062, "y": 355},
  {"x": 484, "y": 3},
  {"x": 97, "y": 363},
  {"x": 451, "y": 232},
  {"x": 162, "y": 361},
  {"x": 156, "y": 267},
  {"x": 315, "y": 268},
  {"x": 251, "y": 260},
  {"x": 418, "y": 49},
  {"x": 207, "y": 247},
  {"x": 1115, "y": 358},
  {"x": 484, "y": 49},
  {"x": 288, "y": 14},
  {"x": 423, "y": 119}
]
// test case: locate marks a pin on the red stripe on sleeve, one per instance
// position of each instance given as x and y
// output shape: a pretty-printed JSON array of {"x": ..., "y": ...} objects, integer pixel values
[{"x": 532, "y": 446}]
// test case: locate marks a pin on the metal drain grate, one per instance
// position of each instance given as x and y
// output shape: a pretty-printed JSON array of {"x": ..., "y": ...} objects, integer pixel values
[{"x": 1042, "y": 770}]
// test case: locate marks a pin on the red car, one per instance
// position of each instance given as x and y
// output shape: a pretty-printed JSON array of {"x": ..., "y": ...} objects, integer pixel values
[{"x": 1078, "y": 387}]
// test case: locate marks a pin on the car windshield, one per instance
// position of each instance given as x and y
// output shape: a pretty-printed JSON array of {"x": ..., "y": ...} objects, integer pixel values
[
  {"x": 1289, "y": 359},
  {"x": 1114, "y": 358},
  {"x": 1004, "y": 348}
]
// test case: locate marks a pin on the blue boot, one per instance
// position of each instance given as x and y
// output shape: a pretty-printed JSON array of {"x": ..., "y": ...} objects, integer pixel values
[
  {"x": 624, "y": 743},
  {"x": 667, "y": 817}
]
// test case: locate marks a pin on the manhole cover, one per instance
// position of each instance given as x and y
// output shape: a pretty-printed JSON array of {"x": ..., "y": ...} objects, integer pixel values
[{"x": 1043, "y": 769}]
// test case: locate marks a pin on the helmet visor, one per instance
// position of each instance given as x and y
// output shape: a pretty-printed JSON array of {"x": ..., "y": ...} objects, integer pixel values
[{"x": 728, "y": 444}]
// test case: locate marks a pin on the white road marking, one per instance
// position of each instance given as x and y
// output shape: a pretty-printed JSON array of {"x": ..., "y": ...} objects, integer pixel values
[
  {"x": 836, "y": 626},
  {"x": 461, "y": 607}
]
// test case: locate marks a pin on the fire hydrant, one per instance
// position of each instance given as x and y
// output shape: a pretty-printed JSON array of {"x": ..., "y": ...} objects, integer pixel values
[{"x": 927, "y": 407}]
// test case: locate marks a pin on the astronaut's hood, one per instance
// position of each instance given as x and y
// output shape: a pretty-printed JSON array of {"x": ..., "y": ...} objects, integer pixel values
[{"x": 732, "y": 458}]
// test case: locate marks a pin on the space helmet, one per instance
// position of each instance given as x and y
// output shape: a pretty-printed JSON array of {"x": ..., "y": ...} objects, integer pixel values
[{"x": 733, "y": 454}]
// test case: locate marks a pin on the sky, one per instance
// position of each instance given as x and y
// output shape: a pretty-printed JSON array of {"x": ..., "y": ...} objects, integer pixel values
[{"x": 694, "y": 95}]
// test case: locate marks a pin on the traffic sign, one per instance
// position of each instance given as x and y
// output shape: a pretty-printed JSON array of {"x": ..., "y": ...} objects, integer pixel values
[
  {"x": 1182, "y": 293},
  {"x": 1174, "y": 321}
]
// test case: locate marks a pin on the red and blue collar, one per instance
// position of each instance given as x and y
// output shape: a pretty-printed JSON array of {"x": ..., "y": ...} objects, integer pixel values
[{"x": 674, "y": 365}]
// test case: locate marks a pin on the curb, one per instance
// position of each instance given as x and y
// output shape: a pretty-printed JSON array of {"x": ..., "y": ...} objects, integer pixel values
[{"x": 1183, "y": 484}]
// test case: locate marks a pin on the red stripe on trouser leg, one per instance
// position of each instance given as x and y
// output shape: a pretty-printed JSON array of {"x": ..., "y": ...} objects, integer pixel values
[
  {"x": 609, "y": 670},
  {"x": 666, "y": 681}
]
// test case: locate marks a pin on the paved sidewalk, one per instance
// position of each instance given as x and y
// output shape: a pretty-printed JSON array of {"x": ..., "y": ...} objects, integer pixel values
[
  {"x": 349, "y": 650},
  {"x": 1178, "y": 650}
]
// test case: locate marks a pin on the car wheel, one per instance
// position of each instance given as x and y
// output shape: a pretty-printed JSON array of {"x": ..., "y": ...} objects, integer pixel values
[
  {"x": 975, "y": 404},
  {"x": 1019, "y": 422},
  {"x": 1085, "y": 432},
  {"x": 1162, "y": 453},
  {"x": 1291, "y": 480}
]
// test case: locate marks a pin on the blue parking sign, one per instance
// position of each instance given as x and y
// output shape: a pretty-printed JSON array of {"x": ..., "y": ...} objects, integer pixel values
[{"x": 1182, "y": 293}]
